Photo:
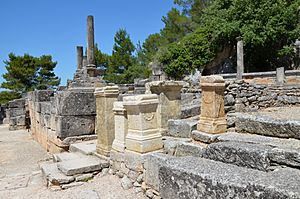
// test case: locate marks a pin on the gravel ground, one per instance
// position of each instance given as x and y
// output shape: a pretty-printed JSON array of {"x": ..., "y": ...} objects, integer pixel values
[{"x": 21, "y": 178}]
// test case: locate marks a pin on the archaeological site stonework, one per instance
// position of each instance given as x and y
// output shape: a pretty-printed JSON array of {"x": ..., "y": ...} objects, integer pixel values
[{"x": 215, "y": 136}]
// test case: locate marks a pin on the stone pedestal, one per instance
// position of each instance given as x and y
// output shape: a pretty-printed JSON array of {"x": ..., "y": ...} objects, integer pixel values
[
  {"x": 121, "y": 127},
  {"x": 105, "y": 125},
  {"x": 280, "y": 76},
  {"x": 240, "y": 59},
  {"x": 169, "y": 101},
  {"x": 143, "y": 133},
  {"x": 212, "y": 118}
]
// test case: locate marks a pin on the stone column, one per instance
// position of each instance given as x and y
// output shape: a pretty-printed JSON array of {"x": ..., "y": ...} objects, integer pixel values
[
  {"x": 240, "y": 59},
  {"x": 79, "y": 57},
  {"x": 90, "y": 42},
  {"x": 212, "y": 117},
  {"x": 280, "y": 75},
  {"x": 105, "y": 125},
  {"x": 169, "y": 96},
  {"x": 84, "y": 61},
  {"x": 121, "y": 127},
  {"x": 143, "y": 133}
]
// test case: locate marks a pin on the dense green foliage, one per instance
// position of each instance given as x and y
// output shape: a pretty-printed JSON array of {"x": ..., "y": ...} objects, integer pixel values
[
  {"x": 27, "y": 73},
  {"x": 122, "y": 66},
  {"x": 198, "y": 35},
  {"x": 6, "y": 96}
]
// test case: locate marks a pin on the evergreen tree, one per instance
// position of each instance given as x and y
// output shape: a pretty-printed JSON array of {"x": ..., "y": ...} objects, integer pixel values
[{"x": 27, "y": 73}]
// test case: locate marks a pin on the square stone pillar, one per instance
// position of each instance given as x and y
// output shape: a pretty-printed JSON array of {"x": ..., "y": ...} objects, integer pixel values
[
  {"x": 105, "y": 125},
  {"x": 280, "y": 76},
  {"x": 212, "y": 117},
  {"x": 121, "y": 127},
  {"x": 240, "y": 59},
  {"x": 143, "y": 133},
  {"x": 169, "y": 95}
]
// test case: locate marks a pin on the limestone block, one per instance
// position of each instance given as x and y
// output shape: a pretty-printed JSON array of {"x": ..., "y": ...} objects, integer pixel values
[
  {"x": 17, "y": 103},
  {"x": 169, "y": 100},
  {"x": 143, "y": 132},
  {"x": 45, "y": 107},
  {"x": 75, "y": 102},
  {"x": 212, "y": 118},
  {"x": 67, "y": 126},
  {"x": 14, "y": 112},
  {"x": 105, "y": 125},
  {"x": 42, "y": 95},
  {"x": 121, "y": 126}
]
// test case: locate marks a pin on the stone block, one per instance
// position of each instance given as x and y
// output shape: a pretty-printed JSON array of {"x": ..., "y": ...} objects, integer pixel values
[
  {"x": 86, "y": 148},
  {"x": 73, "y": 103},
  {"x": 204, "y": 137},
  {"x": 45, "y": 107},
  {"x": 65, "y": 156},
  {"x": 17, "y": 103},
  {"x": 80, "y": 166},
  {"x": 42, "y": 95},
  {"x": 189, "y": 149},
  {"x": 15, "y": 112},
  {"x": 190, "y": 177},
  {"x": 182, "y": 128},
  {"x": 54, "y": 176},
  {"x": 68, "y": 126},
  {"x": 253, "y": 156}
]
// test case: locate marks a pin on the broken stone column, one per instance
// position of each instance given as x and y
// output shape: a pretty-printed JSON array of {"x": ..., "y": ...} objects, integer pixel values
[
  {"x": 84, "y": 61},
  {"x": 169, "y": 95},
  {"x": 121, "y": 127},
  {"x": 212, "y": 118},
  {"x": 240, "y": 59},
  {"x": 143, "y": 132},
  {"x": 79, "y": 57},
  {"x": 90, "y": 42},
  {"x": 280, "y": 75},
  {"x": 105, "y": 125}
]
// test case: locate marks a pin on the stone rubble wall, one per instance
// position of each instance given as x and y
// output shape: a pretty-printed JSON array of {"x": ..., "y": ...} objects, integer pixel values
[
  {"x": 58, "y": 117},
  {"x": 16, "y": 114}
]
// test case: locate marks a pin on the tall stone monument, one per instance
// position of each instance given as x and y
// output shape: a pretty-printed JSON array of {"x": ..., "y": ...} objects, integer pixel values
[
  {"x": 240, "y": 58},
  {"x": 212, "y": 118}
]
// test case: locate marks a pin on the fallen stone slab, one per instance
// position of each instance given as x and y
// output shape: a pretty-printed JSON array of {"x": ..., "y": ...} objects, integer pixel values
[
  {"x": 87, "y": 148},
  {"x": 82, "y": 165},
  {"x": 264, "y": 123},
  {"x": 253, "y": 156},
  {"x": 189, "y": 149},
  {"x": 204, "y": 137},
  {"x": 55, "y": 176},
  {"x": 182, "y": 128},
  {"x": 170, "y": 144},
  {"x": 190, "y": 177},
  {"x": 65, "y": 156}
]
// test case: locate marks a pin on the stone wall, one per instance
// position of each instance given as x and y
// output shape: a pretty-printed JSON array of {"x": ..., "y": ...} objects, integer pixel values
[
  {"x": 57, "y": 118},
  {"x": 241, "y": 96},
  {"x": 16, "y": 114}
]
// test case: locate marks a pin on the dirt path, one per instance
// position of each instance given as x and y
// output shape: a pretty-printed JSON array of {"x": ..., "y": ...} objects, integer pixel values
[{"x": 21, "y": 178}]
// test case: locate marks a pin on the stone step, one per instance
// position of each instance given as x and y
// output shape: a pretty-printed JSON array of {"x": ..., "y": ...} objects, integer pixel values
[
  {"x": 65, "y": 156},
  {"x": 190, "y": 177},
  {"x": 280, "y": 122},
  {"x": 87, "y": 148},
  {"x": 82, "y": 165},
  {"x": 182, "y": 127},
  {"x": 54, "y": 176},
  {"x": 245, "y": 150}
]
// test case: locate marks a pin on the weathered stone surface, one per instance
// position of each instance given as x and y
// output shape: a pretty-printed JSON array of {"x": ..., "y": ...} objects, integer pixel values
[
  {"x": 42, "y": 95},
  {"x": 204, "y": 137},
  {"x": 285, "y": 156},
  {"x": 59, "y": 157},
  {"x": 212, "y": 118},
  {"x": 190, "y": 177},
  {"x": 79, "y": 166},
  {"x": 17, "y": 103},
  {"x": 87, "y": 194},
  {"x": 143, "y": 130},
  {"x": 71, "y": 103},
  {"x": 73, "y": 184},
  {"x": 253, "y": 156},
  {"x": 171, "y": 143},
  {"x": 75, "y": 125},
  {"x": 15, "y": 112},
  {"x": 121, "y": 126},
  {"x": 54, "y": 176},
  {"x": 126, "y": 183},
  {"x": 105, "y": 124},
  {"x": 86, "y": 148},
  {"x": 84, "y": 177},
  {"x": 182, "y": 128},
  {"x": 189, "y": 149},
  {"x": 261, "y": 123},
  {"x": 152, "y": 166}
]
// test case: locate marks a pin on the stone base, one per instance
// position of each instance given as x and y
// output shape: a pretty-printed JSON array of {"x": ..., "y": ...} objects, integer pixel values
[
  {"x": 144, "y": 144},
  {"x": 212, "y": 125},
  {"x": 102, "y": 152},
  {"x": 118, "y": 146}
]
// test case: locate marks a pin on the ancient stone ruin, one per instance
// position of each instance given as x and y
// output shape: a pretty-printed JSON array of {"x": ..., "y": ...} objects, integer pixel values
[{"x": 225, "y": 137}]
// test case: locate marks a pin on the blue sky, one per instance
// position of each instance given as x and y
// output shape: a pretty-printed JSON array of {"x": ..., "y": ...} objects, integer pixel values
[{"x": 56, "y": 27}]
